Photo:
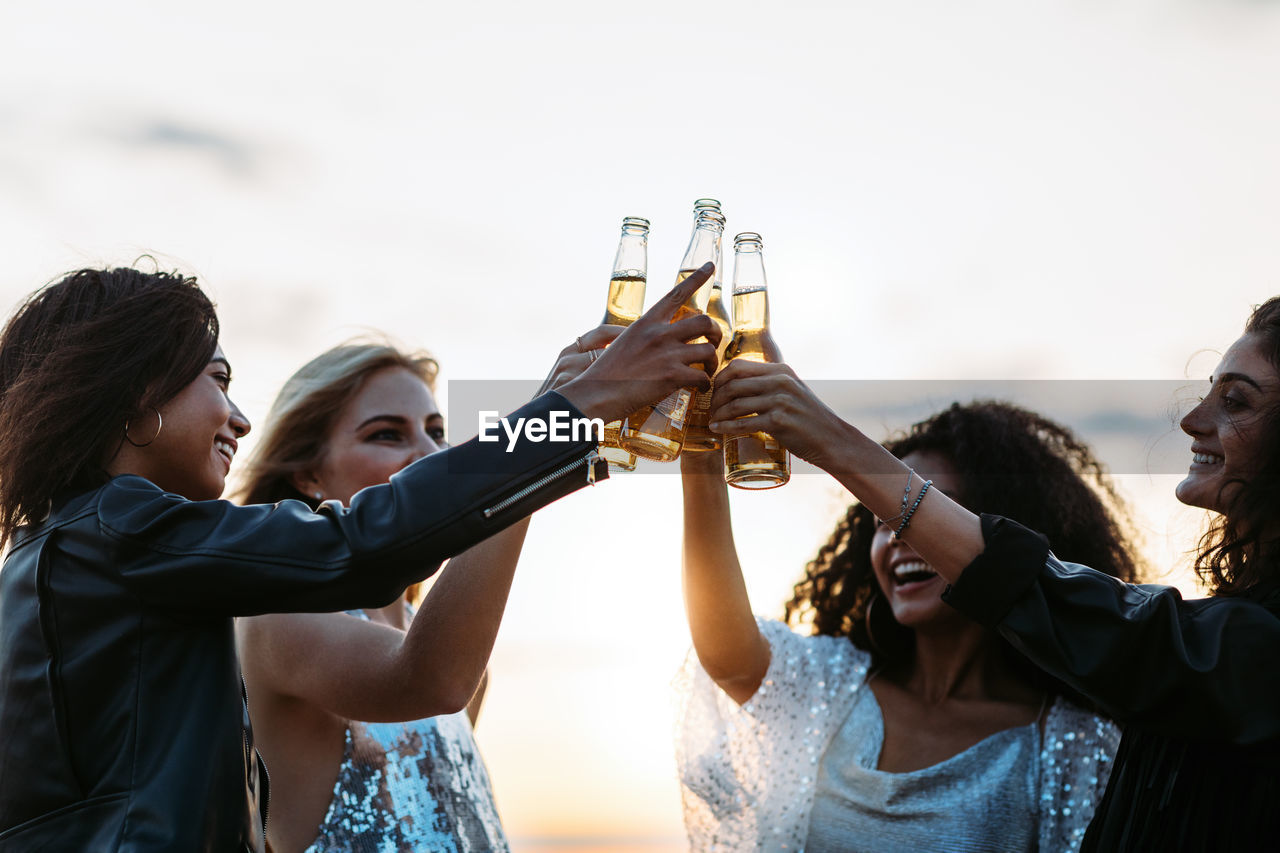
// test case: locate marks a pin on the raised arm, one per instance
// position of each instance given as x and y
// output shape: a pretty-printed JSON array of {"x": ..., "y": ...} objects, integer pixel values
[
  {"x": 217, "y": 558},
  {"x": 1184, "y": 668},
  {"x": 725, "y": 637},
  {"x": 287, "y": 558},
  {"x": 367, "y": 671},
  {"x": 752, "y": 396},
  {"x": 1141, "y": 652}
]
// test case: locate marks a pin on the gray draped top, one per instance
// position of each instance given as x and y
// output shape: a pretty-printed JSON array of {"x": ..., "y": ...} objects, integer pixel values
[{"x": 983, "y": 799}]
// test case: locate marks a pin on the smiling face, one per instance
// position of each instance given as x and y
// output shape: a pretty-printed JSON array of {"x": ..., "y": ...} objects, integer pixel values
[
  {"x": 392, "y": 421},
  {"x": 911, "y": 587},
  {"x": 1228, "y": 426},
  {"x": 194, "y": 440}
]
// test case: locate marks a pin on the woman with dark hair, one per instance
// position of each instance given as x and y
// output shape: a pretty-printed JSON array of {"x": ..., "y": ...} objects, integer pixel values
[
  {"x": 899, "y": 725},
  {"x": 121, "y": 705},
  {"x": 365, "y": 717},
  {"x": 1192, "y": 682}
]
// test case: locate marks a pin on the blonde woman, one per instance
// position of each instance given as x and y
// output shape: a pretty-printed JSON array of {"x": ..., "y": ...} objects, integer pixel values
[{"x": 362, "y": 716}]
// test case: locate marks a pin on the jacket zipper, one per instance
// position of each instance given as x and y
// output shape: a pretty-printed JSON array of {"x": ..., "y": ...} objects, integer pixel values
[
  {"x": 591, "y": 459},
  {"x": 264, "y": 785},
  {"x": 251, "y": 754},
  {"x": 266, "y": 789}
]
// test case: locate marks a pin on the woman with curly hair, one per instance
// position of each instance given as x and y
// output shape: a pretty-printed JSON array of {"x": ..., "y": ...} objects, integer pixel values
[
  {"x": 1194, "y": 683},
  {"x": 899, "y": 724}
]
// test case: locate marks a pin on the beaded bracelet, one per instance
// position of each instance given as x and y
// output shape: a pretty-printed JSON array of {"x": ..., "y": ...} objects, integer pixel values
[
  {"x": 903, "y": 526},
  {"x": 906, "y": 495}
]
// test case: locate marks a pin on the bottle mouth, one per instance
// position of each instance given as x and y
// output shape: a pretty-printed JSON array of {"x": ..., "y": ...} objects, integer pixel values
[
  {"x": 635, "y": 222},
  {"x": 748, "y": 240},
  {"x": 706, "y": 204}
]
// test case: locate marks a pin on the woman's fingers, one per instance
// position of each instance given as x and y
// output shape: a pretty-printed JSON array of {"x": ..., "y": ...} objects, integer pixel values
[
  {"x": 697, "y": 326},
  {"x": 751, "y": 379},
  {"x": 768, "y": 396},
  {"x": 695, "y": 377},
  {"x": 703, "y": 355},
  {"x": 579, "y": 355},
  {"x": 600, "y": 336},
  {"x": 743, "y": 368},
  {"x": 756, "y": 397},
  {"x": 665, "y": 308},
  {"x": 650, "y": 358},
  {"x": 728, "y": 417},
  {"x": 573, "y": 365}
]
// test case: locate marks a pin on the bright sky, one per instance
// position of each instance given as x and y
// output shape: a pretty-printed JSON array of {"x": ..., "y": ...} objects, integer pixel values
[{"x": 994, "y": 190}]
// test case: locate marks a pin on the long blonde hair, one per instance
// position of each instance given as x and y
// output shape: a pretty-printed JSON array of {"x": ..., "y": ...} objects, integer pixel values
[{"x": 293, "y": 438}]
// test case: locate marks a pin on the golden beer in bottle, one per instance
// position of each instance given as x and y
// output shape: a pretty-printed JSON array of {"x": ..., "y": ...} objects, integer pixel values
[
  {"x": 697, "y": 436},
  {"x": 657, "y": 431},
  {"x": 626, "y": 303},
  {"x": 756, "y": 460}
]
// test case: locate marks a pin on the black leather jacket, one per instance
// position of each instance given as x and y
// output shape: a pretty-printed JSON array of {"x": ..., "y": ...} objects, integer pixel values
[
  {"x": 1147, "y": 657},
  {"x": 1194, "y": 684},
  {"x": 121, "y": 713}
]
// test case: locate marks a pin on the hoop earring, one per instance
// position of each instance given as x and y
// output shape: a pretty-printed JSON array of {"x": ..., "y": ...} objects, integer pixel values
[
  {"x": 159, "y": 426},
  {"x": 871, "y": 635}
]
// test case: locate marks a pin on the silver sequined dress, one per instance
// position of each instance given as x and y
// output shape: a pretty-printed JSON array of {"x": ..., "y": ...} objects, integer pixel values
[
  {"x": 750, "y": 774},
  {"x": 409, "y": 787}
]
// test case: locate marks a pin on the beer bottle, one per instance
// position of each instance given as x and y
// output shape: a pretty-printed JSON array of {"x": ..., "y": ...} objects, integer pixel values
[
  {"x": 657, "y": 431},
  {"x": 757, "y": 460},
  {"x": 697, "y": 436},
  {"x": 626, "y": 303}
]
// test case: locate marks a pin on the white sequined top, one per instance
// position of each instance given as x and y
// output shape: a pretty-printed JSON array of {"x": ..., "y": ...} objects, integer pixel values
[{"x": 749, "y": 773}]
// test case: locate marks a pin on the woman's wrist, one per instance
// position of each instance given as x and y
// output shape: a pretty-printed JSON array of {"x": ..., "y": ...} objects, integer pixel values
[
  {"x": 871, "y": 473},
  {"x": 702, "y": 463}
]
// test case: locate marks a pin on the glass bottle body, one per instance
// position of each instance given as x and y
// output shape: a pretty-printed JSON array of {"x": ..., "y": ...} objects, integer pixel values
[
  {"x": 658, "y": 431},
  {"x": 698, "y": 437},
  {"x": 624, "y": 307},
  {"x": 756, "y": 460}
]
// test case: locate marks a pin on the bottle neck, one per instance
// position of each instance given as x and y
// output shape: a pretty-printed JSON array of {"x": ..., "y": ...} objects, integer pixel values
[
  {"x": 750, "y": 289},
  {"x": 632, "y": 259},
  {"x": 704, "y": 245},
  {"x": 748, "y": 269}
]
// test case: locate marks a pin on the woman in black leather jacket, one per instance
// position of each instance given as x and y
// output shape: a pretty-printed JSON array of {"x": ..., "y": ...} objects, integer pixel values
[
  {"x": 1195, "y": 684},
  {"x": 121, "y": 705}
]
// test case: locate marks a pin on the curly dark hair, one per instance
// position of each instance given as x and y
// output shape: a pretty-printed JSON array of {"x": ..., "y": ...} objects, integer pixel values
[
  {"x": 78, "y": 360},
  {"x": 1237, "y": 556},
  {"x": 1011, "y": 462}
]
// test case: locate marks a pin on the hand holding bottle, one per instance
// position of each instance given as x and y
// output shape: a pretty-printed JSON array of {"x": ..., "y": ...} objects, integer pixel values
[
  {"x": 650, "y": 359},
  {"x": 753, "y": 396},
  {"x": 757, "y": 460},
  {"x": 578, "y": 356}
]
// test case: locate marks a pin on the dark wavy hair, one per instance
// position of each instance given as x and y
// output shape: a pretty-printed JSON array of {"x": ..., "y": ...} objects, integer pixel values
[
  {"x": 1010, "y": 461},
  {"x": 80, "y": 359},
  {"x": 1238, "y": 555}
]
